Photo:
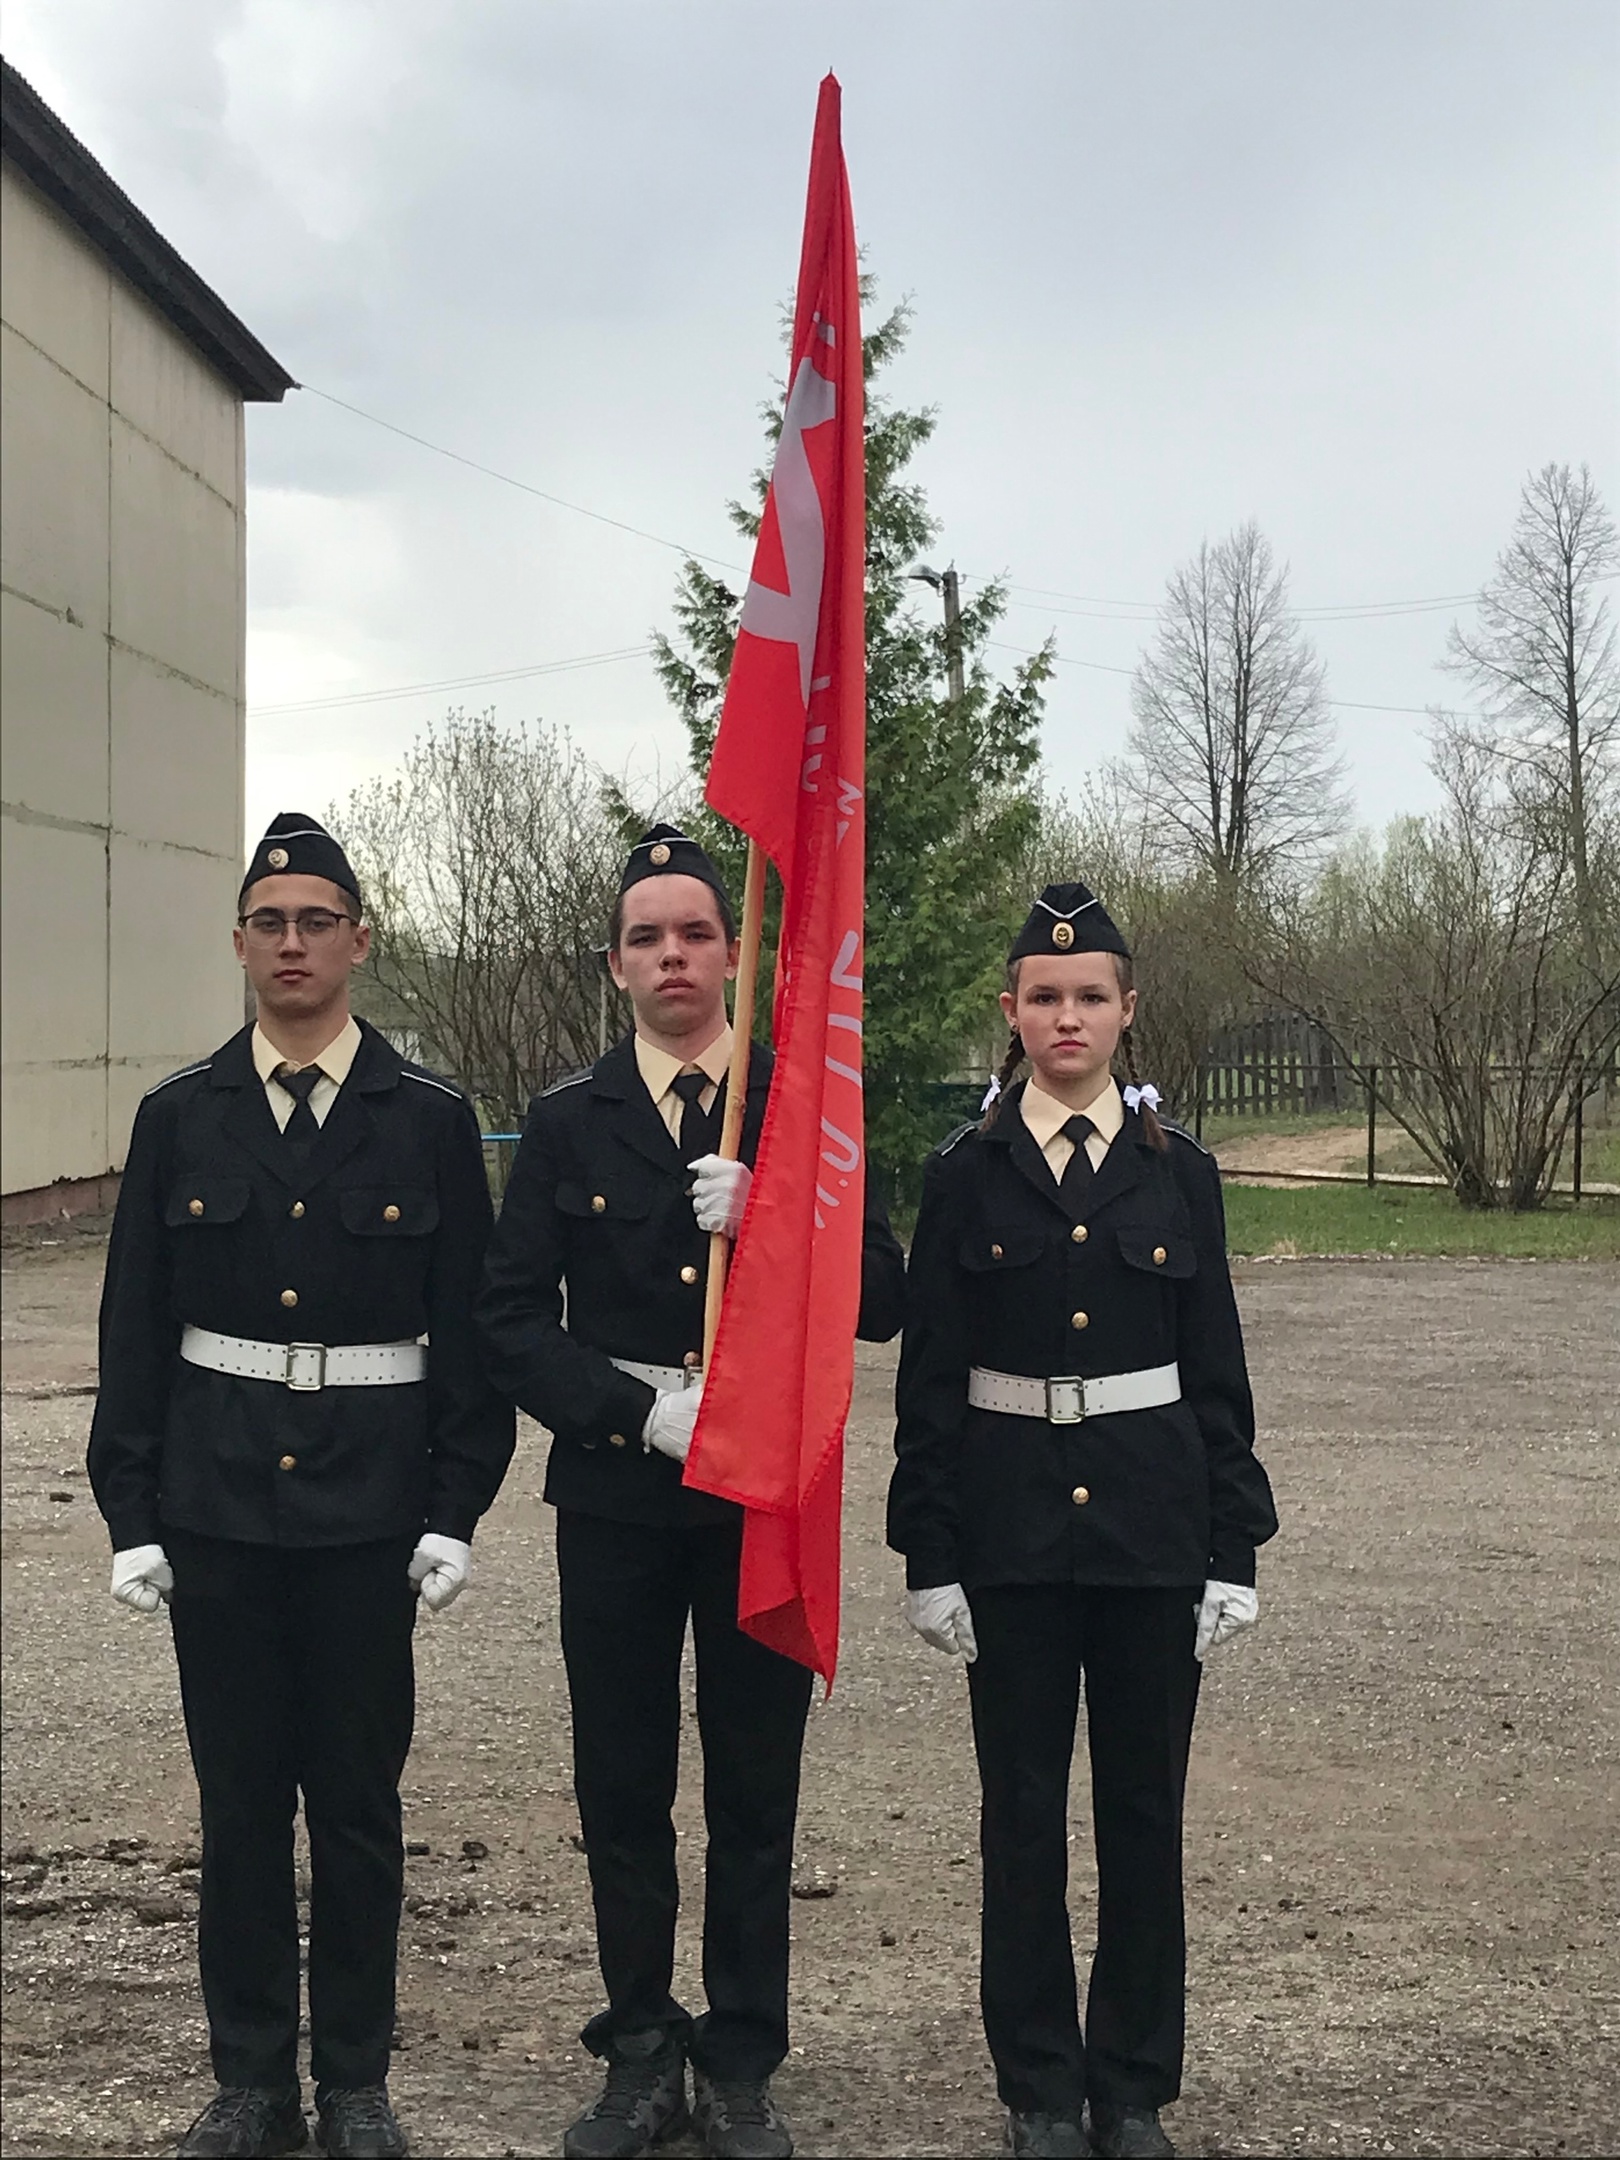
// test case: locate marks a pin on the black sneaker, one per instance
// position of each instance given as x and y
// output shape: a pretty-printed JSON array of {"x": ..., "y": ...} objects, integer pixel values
[
  {"x": 248, "y": 2122},
  {"x": 1129, "y": 2133},
  {"x": 1041, "y": 2136},
  {"x": 357, "y": 2123},
  {"x": 739, "y": 2121},
  {"x": 642, "y": 2102}
]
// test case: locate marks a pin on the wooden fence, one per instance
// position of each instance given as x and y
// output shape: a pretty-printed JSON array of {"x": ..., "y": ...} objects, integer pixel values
[{"x": 1276, "y": 1066}]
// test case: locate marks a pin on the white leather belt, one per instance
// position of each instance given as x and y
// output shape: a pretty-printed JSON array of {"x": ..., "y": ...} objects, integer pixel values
[
  {"x": 1068, "y": 1400},
  {"x": 668, "y": 1379},
  {"x": 306, "y": 1367}
]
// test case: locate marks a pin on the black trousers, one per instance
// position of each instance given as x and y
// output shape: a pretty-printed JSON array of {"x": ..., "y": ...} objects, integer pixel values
[
  {"x": 1135, "y": 1651},
  {"x": 296, "y": 1674},
  {"x": 627, "y": 1592}
]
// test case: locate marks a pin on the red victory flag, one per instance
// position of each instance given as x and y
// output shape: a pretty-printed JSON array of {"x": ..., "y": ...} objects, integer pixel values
[{"x": 789, "y": 769}]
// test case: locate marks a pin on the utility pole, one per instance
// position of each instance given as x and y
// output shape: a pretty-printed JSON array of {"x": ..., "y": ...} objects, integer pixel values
[
  {"x": 951, "y": 594},
  {"x": 947, "y": 585}
]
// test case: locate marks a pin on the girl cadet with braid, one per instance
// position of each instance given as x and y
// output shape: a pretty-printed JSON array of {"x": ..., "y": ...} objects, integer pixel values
[{"x": 1077, "y": 1496}]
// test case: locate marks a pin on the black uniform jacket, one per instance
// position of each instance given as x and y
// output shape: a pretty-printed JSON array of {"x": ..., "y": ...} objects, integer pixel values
[
  {"x": 217, "y": 1221},
  {"x": 1007, "y": 1273},
  {"x": 599, "y": 1200}
]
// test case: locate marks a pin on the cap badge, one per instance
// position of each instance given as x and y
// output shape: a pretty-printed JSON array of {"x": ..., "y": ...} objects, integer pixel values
[
  {"x": 277, "y": 858},
  {"x": 1063, "y": 935},
  {"x": 658, "y": 853}
]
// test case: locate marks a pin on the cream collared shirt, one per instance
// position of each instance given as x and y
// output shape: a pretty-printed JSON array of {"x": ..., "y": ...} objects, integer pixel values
[
  {"x": 659, "y": 1070},
  {"x": 1046, "y": 1117},
  {"x": 334, "y": 1062}
]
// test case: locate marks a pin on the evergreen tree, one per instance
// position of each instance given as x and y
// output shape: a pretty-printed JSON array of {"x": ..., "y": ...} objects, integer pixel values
[{"x": 951, "y": 803}]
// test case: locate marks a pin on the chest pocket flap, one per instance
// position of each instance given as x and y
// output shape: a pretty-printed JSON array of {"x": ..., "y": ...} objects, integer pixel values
[
  {"x": 610, "y": 1201},
  {"x": 389, "y": 1210},
  {"x": 1157, "y": 1252},
  {"x": 198, "y": 1199},
  {"x": 988, "y": 1252}
]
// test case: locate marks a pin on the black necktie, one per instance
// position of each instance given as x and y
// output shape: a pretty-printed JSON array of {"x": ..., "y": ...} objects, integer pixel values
[
  {"x": 697, "y": 1125},
  {"x": 1077, "y": 1171},
  {"x": 300, "y": 1131}
]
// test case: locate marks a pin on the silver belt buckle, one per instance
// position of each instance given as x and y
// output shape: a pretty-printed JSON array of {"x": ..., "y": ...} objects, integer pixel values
[
  {"x": 1065, "y": 1400},
  {"x": 306, "y": 1379},
  {"x": 692, "y": 1376}
]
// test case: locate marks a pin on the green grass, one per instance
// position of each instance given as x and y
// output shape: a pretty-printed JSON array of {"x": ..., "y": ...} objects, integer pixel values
[{"x": 1388, "y": 1219}]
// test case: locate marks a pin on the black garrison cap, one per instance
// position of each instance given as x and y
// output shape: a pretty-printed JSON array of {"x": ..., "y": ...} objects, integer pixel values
[
  {"x": 1068, "y": 919},
  {"x": 294, "y": 845},
  {"x": 665, "y": 851}
]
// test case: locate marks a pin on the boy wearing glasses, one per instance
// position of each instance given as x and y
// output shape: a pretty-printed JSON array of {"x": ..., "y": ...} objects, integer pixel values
[{"x": 292, "y": 1444}]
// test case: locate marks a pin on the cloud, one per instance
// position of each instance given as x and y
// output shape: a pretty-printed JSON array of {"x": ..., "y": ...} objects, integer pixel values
[{"x": 1347, "y": 272}]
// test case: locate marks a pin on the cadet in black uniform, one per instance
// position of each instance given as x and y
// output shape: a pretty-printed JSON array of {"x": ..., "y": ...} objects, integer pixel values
[
  {"x": 1077, "y": 1496},
  {"x": 602, "y": 1203},
  {"x": 293, "y": 1441}
]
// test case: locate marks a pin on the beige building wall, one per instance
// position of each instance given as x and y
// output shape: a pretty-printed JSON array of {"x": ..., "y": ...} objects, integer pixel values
[{"x": 122, "y": 561}]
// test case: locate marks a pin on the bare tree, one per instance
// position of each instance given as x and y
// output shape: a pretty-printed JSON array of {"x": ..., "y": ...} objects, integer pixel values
[
  {"x": 1543, "y": 657},
  {"x": 489, "y": 865},
  {"x": 1447, "y": 960},
  {"x": 1232, "y": 730}
]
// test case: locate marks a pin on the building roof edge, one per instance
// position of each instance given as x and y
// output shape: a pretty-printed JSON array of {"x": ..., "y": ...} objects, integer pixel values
[{"x": 53, "y": 159}]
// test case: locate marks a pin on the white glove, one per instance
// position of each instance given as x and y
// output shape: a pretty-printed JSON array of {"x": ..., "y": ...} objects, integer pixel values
[
  {"x": 440, "y": 1567},
  {"x": 720, "y": 1194},
  {"x": 142, "y": 1577},
  {"x": 670, "y": 1422},
  {"x": 944, "y": 1620},
  {"x": 1227, "y": 1608}
]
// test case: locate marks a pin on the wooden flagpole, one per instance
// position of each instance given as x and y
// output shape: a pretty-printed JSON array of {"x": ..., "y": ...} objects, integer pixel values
[{"x": 742, "y": 1043}]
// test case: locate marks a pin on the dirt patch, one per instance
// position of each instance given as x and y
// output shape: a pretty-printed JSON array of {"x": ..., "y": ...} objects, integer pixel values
[
  {"x": 1400, "y": 1852},
  {"x": 1330, "y": 1148}
]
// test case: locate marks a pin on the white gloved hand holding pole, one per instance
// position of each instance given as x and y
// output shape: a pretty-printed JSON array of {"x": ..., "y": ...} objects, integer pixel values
[
  {"x": 670, "y": 1422},
  {"x": 142, "y": 1577},
  {"x": 720, "y": 1194},
  {"x": 1227, "y": 1609},
  {"x": 944, "y": 1620},
  {"x": 440, "y": 1567}
]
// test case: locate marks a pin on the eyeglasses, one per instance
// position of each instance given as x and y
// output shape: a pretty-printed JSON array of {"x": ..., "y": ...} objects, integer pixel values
[{"x": 268, "y": 926}]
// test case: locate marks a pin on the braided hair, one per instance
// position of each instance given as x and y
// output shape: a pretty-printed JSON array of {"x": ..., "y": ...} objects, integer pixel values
[
  {"x": 1009, "y": 1064},
  {"x": 1152, "y": 1131}
]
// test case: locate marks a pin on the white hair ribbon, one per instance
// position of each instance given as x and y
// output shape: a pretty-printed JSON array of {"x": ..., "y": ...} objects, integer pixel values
[
  {"x": 990, "y": 1094},
  {"x": 1136, "y": 1096}
]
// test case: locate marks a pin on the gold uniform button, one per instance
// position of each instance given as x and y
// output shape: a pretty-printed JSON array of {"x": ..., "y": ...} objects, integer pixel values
[
  {"x": 194, "y": 1207},
  {"x": 1079, "y": 1233},
  {"x": 598, "y": 1204},
  {"x": 1159, "y": 1256},
  {"x": 692, "y": 1360},
  {"x": 390, "y": 1213},
  {"x": 289, "y": 1462},
  {"x": 289, "y": 1298},
  {"x": 616, "y": 1439},
  {"x": 1079, "y": 1320},
  {"x": 1080, "y": 1496},
  {"x": 688, "y": 1274},
  {"x": 995, "y": 1252},
  {"x": 296, "y": 1211}
]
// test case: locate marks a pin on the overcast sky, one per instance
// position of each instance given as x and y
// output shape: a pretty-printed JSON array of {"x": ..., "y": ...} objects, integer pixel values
[{"x": 1347, "y": 270}]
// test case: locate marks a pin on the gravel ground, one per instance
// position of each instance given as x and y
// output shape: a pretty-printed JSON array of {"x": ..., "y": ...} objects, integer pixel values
[{"x": 1401, "y": 1830}]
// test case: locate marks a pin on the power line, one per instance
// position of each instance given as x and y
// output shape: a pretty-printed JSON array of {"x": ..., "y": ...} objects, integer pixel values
[
  {"x": 1153, "y": 607},
  {"x": 1423, "y": 712},
  {"x": 459, "y": 682},
  {"x": 1343, "y": 610},
  {"x": 558, "y": 502}
]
